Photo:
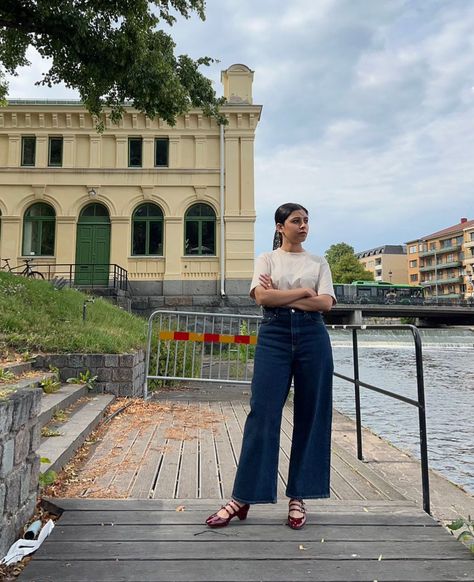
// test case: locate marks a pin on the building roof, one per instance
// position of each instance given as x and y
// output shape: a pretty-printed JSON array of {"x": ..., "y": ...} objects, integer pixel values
[
  {"x": 384, "y": 249},
  {"x": 459, "y": 227}
]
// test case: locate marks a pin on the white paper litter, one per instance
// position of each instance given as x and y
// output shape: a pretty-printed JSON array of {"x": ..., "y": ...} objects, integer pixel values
[{"x": 22, "y": 547}]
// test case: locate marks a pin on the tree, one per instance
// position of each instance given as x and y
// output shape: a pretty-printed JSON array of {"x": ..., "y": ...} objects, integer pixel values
[
  {"x": 345, "y": 266},
  {"x": 111, "y": 52}
]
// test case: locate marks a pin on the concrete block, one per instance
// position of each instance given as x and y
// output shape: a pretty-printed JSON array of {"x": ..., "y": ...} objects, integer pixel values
[
  {"x": 196, "y": 287},
  {"x": 122, "y": 374},
  {"x": 126, "y": 360},
  {"x": 178, "y": 301},
  {"x": 25, "y": 474},
  {"x": 156, "y": 302},
  {"x": 111, "y": 360},
  {"x": 6, "y": 417},
  {"x": 36, "y": 404},
  {"x": 94, "y": 361},
  {"x": 35, "y": 437},
  {"x": 12, "y": 498},
  {"x": 104, "y": 374},
  {"x": 35, "y": 465},
  {"x": 3, "y": 491},
  {"x": 21, "y": 408},
  {"x": 7, "y": 534},
  {"x": 8, "y": 453},
  {"x": 22, "y": 445},
  {"x": 76, "y": 361},
  {"x": 171, "y": 289}
]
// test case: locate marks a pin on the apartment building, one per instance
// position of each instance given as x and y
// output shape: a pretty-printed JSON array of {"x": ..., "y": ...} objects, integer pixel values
[
  {"x": 387, "y": 263},
  {"x": 443, "y": 261},
  {"x": 173, "y": 206}
]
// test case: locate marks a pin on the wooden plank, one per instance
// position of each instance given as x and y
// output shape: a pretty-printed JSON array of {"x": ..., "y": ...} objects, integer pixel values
[
  {"x": 226, "y": 462},
  {"x": 261, "y": 517},
  {"x": 249, "y": 570},
  {"x": 208, "y": 474},
  {"x": 367, "y": 473},
  {"x": 447, "y": 549},
  {"x": 360, "y": 487},
  {"x": 188, "y": 481},
  {"x": 143, "y": 485},
  {"x": 311, "y": 532},
  {"x": 126, "y": 475},
  {"x": 167, "y": 475},
  {"x": 93, "y": 504}
]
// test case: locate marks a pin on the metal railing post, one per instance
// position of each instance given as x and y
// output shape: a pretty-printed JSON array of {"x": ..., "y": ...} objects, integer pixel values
[
  {"x": 355, "y": 356},
  {"x": 420, "y": 384}
]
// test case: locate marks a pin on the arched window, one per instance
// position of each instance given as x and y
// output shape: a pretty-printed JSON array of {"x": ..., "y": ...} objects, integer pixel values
[
  {"x": 39, "y": 225},
  {"x": 147, "y": 230},
  {"x": 200, "y": 230}
]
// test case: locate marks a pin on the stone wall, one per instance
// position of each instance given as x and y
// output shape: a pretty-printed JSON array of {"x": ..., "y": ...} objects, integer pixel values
[
  {"x": 119, "y": 374},
  {"x": 20, "y": 435}
]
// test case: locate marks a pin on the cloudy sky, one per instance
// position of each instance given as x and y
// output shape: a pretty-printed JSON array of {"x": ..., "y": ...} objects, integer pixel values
[{"x": 368, "y": 110}]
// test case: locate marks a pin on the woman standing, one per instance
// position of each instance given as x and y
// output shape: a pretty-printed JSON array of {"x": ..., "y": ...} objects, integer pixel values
[{"x": 293, "y": 287}]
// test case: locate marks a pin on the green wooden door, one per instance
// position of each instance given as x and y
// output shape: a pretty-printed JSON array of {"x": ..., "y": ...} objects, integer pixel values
[{"x": 92, "y": 253}]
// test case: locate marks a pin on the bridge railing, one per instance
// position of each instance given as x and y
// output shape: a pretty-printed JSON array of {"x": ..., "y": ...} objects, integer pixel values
[{"x": 419, "y": 403}]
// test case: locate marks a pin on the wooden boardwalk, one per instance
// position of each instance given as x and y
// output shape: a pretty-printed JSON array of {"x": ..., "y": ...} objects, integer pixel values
[
  {"x": 148, "y": 540},
  {"x": 173, "y": 471}
]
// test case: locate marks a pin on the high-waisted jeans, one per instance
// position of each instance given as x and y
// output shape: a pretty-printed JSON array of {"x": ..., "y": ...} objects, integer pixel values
[{"x": 291, "y": 344}]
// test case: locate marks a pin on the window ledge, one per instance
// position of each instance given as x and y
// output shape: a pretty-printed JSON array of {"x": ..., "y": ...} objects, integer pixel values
[
  {"x": 200, "y": 257},
  {"x": 144, "y": 257}
]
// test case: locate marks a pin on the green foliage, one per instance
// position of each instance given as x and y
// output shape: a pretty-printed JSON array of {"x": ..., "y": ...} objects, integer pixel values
[
  {"x": 38, "y": 318},
  {"x": 85, "y": 379},
  {"x": 49, "y": 432},
  {"x": 111, "y": 52},
  {"x": 47, "y": 478},
  {"x": 6, "y": 375},
  {"x": 50, "y": 385},
  {"x": 467, "y": 533},
  {"x": 345, "y": 267}
]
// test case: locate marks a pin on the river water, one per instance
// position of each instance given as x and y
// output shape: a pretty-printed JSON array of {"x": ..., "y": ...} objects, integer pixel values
[{"x": 387, "y": 360}]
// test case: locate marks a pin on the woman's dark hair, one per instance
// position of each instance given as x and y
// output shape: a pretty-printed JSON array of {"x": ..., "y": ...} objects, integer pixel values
[{"x": 281, "y": 214}]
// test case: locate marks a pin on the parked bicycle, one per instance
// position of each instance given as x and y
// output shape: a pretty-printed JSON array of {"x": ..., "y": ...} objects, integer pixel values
[{"x": 27, "y": 271}]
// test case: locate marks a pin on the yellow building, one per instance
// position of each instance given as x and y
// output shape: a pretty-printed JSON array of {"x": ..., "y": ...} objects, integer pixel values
[
  {"x": 172, "y": 206},
  {"x": 387, "y": 263},
  {"x": 443, "y": 261}
]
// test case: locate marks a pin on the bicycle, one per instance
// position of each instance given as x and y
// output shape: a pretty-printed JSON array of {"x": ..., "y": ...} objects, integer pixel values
[{"x": 28, "y": 271}]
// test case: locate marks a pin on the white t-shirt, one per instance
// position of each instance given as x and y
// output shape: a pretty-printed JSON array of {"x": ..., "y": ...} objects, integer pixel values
[{"x": 293, "y": 271}]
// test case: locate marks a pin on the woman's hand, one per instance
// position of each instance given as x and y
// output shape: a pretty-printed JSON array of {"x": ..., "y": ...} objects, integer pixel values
[{"x": 266, "y": 282}]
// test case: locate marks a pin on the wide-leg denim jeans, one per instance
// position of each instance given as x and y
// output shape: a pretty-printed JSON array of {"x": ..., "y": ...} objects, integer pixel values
[{"x": 291, "y": 344}]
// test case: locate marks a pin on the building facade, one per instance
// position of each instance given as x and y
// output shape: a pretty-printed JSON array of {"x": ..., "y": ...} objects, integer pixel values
[
  {"x": 443, "y": 261},
  {"x": 387, "y": 263},
  {"x": 173, "y": 206}
]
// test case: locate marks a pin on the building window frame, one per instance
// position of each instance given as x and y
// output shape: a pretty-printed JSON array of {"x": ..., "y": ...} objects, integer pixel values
[
  {"x": 142, "y": 235},
  {"x": 137, "y": 160},
  {"x": 39, "y": 230},
  {"x": 200, "y": 218},
  {"x": 59, "y": 161},
  {"x": 24, "y": 140},
  {"x": 165, "y": 160}
]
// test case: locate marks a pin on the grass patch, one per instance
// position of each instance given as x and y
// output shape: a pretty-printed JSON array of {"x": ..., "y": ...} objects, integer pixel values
[{"x": 36, "y": 317}]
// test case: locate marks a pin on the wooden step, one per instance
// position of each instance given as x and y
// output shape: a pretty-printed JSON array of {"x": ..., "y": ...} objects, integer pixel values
[
  {"x": 67, "y": 395},
  {"x": 74, "y": 431}
]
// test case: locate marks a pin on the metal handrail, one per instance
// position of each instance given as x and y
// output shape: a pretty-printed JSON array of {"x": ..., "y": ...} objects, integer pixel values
[
  {"x": 116, "y": 274},
  {"x": 419, "y": 403}
]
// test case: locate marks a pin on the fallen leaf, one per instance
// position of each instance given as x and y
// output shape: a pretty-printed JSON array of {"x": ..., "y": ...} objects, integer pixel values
[
  {"x": 380, "y": 558},
  {"x": 180, "y": 508},
  {"x": 301, "y": 547}
]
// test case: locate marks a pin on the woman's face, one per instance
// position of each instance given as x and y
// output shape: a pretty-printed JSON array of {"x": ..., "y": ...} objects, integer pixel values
[{"x": 295, "y": 228}]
